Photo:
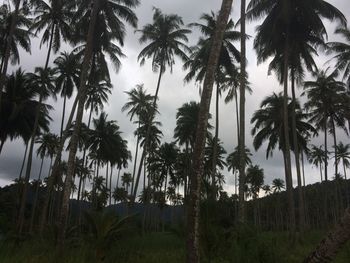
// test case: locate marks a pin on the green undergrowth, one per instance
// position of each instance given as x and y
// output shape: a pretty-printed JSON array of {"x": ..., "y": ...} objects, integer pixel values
[{"x": 244, "y": 247}]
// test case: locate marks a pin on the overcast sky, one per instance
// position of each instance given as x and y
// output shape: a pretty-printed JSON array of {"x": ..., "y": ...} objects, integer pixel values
[{"x": 174, "y": 92}]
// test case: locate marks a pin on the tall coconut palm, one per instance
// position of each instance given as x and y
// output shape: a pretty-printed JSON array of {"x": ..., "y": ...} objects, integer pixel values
[
  {"x": 268, "y": 125},
  {"x": 42, "y": 80},
  {"x": 139, "y": 101},
  {"x": 343, "y": 53},
  {"x": 285, "y": 21},
  {"x": 233, "y": 160},
  {"x": 328, "y": 105},
  {"x": 316, "y": 156},
  {"x": 48, "y": 147},
  {"x": 199, "y": 58},
  {"x": 54, "y": 17},
  {"x": 343, "y": 154},
  {"x": 19, "y": 108},
  {"x": 165, "y": 40},
  {"x": 14, "y": 33},
  {"x": 114, "y": 12},
  {"x": 67, "y": 70},
  {"x": 193, "y": 254}
]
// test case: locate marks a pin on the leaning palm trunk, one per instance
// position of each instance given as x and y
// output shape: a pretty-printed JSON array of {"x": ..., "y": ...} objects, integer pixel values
[
  {"x": 325, "y": 151},
  {"x": 241, "y": 135},
  {"x": 297, "y": 160},
  {"x": 135, "y": 162},
  {"x": 55, "y": 168},
  {"x": 289, "y": 181},
  {"x": 31, "y": 145},
  {"x": 74, "y": 140},
  {"x": 193, "y": 251},
  {"x": 5, "y": 61},
  {"x": 148, "y": 133},
  {"x": 335, "y": 240}
]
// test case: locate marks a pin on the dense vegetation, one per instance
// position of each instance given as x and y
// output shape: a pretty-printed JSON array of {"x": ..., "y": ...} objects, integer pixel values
[{"x": 75, "y": 211}]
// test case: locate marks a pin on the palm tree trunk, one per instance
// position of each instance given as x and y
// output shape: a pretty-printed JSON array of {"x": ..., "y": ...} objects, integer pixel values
[
  {"x": 335, "y": 147},
  {"x": 288, "y": 167},
  {"x": 110, "y": 185},
  {"x": 237, "y": 114},
  {"x": 118, "y": 178},
  {"x": 241, "y": 142},
  {"x": 31, "y": 146},
  {"x": 63, "y": 114},
  {"x": 147, "y": 138},
  {"x": 215, "y": 148},
  {"x": 297, "y": 160},
  {"x": 80, "y": 111},
  {"x": 135, "y": 161},
  {"x": 2, "y": 145},
  {"x": 23, "y": 162},
  {"x": 193, "y": 248},
  {"x": 8, "y": 50},
  {"x": 303, "y": 166},
  {"x": 344, "y": 167},
  {"x": 36, "y": 197},
  {"x": 55, "y": 168},
  {"x": 335, "y": 240},
  {"x": 325, "y": 152}
]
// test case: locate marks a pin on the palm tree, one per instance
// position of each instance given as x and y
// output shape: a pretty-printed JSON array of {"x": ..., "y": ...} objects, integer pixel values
[
  {"x": 233, "y": 160},
  {"x": 166, "y": 40},
  {"x": 267, "y": 189},
  {"x": 316, "y": 156},
  {"x": 199, "y": 57},
  {"x": 14, "y": 32},
  {"x": 139, "y": 101},
  {"x": 343, "y": 154},
  {"x": 19, "y": 107},
  {"x": 193, "y": 255},
  {"x": 112, "y": 12},
  {"x": 126, "y": 181},
  {"x": 268, "y": 125},
  {"x": 328, "y": 105},
  {"x": 42, "y": 80},
  {"x": 48, "y": 147},
  {"x": 68, "y": 71},
  {"x": 277, "y": 185},
  {"x": 343, "y": 53},
  {"x": 55, "y": 19},
  {"x": 284, "y": 22}
]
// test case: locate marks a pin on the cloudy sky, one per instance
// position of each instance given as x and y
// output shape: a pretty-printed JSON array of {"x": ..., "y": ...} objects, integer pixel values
[{"x": 173, "y": 91}]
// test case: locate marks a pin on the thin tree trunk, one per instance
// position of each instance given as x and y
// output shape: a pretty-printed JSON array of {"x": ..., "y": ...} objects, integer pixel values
[
  {"x": 31, "y": 146},
  {"x": 297, "y": 156},
  {"x": 147, "y": 138},
  {"x": 335, "y": 240},
  {"x": 36, "y": 197},
  {"x": 193, "y": 248},
  {"x": 215, "y": 143},
  {"x": 335, "y": 147},
  {"x": 325, "y": 152},
  {"x": 80, "y": 111},
  {"x": 2, "y": 145},
  {"x": 135, "y": 162},
  {"x": 237, "y": 115},
  {"x": 8, "y": 50},
  {"x": 303, "y": 166},
  {"x": 63, "y": 114},
  {"x": 289, "y": 181},
  {"x": 241, "y": 143},
  {"x": 110, "y": 185},
  {"x": 23, "y": 162}
]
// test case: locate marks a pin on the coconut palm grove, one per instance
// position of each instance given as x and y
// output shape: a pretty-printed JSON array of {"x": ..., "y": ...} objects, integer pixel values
[{"x": 174, "y": 131}]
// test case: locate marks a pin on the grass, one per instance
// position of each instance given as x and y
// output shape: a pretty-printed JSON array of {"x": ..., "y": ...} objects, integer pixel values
[{"x": 266, "y": 247}]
